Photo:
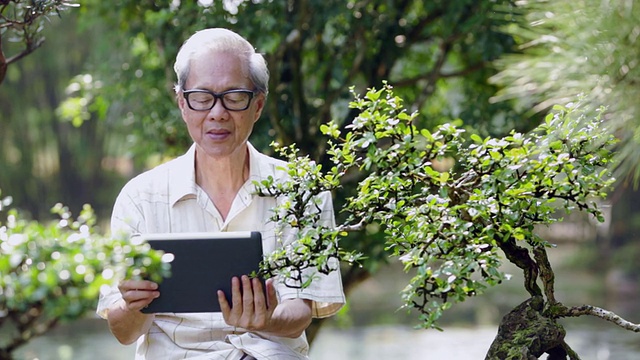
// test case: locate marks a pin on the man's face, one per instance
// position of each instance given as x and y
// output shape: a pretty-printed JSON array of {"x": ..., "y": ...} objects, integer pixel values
[{"x": 219, "y": 132}]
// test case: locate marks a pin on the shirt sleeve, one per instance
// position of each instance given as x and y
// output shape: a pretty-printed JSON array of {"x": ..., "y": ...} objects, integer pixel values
[
  {"x": 127, "y": 218},
  {"x": 325, "y": 290},
  {"x": 125, "y": 221},
  {"x": 109, "y": 296}
]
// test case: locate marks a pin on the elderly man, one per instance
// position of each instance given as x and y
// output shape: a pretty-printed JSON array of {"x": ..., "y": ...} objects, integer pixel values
[{"x": 222, "y": 89}]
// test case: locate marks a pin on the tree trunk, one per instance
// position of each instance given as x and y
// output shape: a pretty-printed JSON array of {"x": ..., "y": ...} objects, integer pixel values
[{"x": 525, "y": 334}]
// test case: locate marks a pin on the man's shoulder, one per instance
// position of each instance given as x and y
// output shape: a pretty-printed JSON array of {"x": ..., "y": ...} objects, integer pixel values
[
  {"x": 271, "y": 161},
  {"x": 157, "y": 177},
  {"x": 158, "y": 173},
  {"x": 268, "y": 165}
]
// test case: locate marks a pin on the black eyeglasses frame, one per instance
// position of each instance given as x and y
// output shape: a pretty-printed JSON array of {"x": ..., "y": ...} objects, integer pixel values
[{"x": 216, "y": 96}]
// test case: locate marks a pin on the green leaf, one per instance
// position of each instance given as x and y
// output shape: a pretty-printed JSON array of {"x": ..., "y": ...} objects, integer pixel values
[{"x": 476, "y": 138}]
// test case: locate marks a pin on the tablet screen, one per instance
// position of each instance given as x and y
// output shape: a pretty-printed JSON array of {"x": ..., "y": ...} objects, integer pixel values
[{"x": 203, "y": 264}]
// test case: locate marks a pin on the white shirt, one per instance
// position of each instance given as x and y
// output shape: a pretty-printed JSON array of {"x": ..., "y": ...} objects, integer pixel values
[{"x": 167, "y": 199}]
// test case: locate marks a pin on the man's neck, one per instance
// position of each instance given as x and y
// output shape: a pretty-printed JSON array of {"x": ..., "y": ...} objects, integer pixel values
[{"x": 221, "y": 178}]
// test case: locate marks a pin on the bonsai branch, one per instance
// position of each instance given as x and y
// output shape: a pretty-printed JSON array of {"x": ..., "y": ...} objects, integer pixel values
[
  {"x": 599, "y": 313},
  {"x": 520, "y": 257},
  {"x": 546, "y": 273}
]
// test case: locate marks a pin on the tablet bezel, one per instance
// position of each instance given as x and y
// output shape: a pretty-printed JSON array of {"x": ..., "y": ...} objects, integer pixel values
[{"x": 204, "y": 262}]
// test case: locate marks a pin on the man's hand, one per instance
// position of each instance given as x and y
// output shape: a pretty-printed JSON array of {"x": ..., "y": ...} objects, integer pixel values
[
  {"x": 253, "y": 311},
  {"x": 137, "y": 294},
  {"x": 250, "y": 309},
  {"x": 126, "y": 321}
]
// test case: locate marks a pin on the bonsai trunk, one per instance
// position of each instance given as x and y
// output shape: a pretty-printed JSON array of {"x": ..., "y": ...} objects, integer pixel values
[
  {"x": 526, "y": 334},
  {"x": 531, "y": 328}
]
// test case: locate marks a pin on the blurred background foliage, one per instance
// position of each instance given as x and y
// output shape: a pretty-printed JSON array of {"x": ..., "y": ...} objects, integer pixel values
[
  {"x": 53, "y": 271},
  {"x": 588, "y": 48},
  {"x": 94, "y": 105}
]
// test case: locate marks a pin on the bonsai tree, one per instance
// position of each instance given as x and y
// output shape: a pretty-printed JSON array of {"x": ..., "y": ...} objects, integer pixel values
[
  {"x": 53, "y": 271},
  {"x": 453, "y": 208}
]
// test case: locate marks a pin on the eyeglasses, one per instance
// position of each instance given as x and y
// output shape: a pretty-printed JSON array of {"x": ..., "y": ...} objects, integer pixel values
[{"x": 205, "y": 100}]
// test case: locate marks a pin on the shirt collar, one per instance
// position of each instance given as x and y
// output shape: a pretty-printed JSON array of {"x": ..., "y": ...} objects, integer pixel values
[
  {"x": 182, "y": 177},
  {"x": 260, "y": 168}
]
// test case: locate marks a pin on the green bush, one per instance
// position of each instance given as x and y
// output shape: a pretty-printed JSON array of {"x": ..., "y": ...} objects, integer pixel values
[{"x": 53, "y": 271}]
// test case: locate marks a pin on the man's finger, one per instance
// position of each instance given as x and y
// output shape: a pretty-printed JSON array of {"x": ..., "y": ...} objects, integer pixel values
[
  {"x": 138, "y": 299},
  {"x": 224, "y": 305},
  {"x": 247, "y": 296},
  {"x": 260, "y": 303},
  {"x": 138, "y": 294},
  {"x": 127, "y": 285},
  {"x": 272, "y": 296},
  {"x": 236, "y": 295}
]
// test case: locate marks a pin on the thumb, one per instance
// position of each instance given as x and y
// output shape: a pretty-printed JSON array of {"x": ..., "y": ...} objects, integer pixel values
[{"x": 272, "y": 296}]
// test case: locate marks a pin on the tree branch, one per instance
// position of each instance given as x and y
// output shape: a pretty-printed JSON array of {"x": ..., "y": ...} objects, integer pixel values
[
  {"x": 463, "y": 72},
  {"x": 31, "y": 47},
  {"x": 3, "y": 63},
  {"x": 546, "y": 273},
  {"x": 520, "y": 257},
  {"x": 416, "y": 33},
  {"x": 353, "y": 228},
  {"x": 599, "y": 313}
]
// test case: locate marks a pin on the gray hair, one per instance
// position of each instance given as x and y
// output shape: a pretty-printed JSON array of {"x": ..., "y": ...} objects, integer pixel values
[{"x": 220, "y": 39}]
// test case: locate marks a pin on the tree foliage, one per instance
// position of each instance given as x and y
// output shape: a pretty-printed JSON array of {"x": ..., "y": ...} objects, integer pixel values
[
  {"x": 22, "y": 22},
  {"x": 315, "y": 51},
  {"x": 587, "y": 47},
  {"x": 44, "y": 156},
  {"x": 450, "y": 226}
]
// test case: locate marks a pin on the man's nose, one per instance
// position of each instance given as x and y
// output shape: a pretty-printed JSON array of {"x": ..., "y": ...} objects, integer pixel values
[{"x": 218, "y": 110}]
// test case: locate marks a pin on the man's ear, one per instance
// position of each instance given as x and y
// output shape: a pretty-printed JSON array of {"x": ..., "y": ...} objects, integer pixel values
[
  {"x": 182, "y": 103},
  {"x": 180, "y": 99},
  {"x": 260, "y": 101}
]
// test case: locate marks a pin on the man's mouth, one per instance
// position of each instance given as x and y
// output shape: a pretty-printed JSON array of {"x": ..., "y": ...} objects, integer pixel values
[{"x": 218, "y": 134}]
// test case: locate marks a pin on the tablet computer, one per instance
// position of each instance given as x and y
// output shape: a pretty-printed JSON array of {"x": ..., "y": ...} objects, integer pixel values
[{"x": 203, "y": 263}]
